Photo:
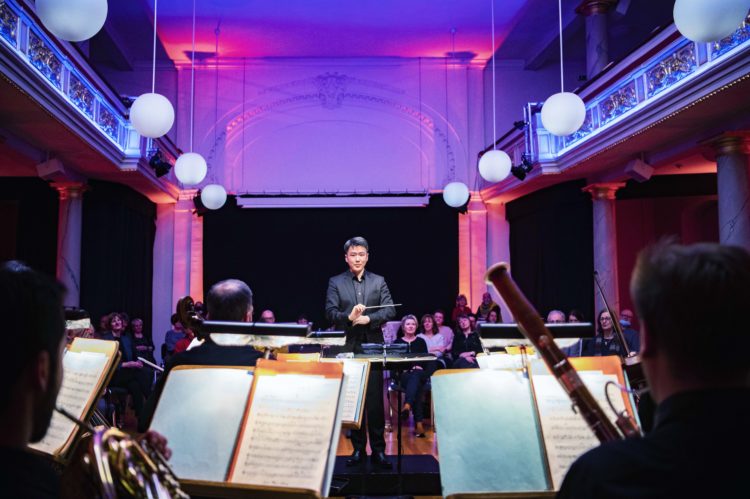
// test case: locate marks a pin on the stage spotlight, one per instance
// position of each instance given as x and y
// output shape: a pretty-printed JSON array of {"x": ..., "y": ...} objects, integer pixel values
[
  {"x": 158, "y": 164},
  {"x": 520, "y": 171},
  {"x": 519, "y": 125}
]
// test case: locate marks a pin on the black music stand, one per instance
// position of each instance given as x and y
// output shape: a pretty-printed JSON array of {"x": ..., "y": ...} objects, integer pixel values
[{"x": 395, "y": 358}]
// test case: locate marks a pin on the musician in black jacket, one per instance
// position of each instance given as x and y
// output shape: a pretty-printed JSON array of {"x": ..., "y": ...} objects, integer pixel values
[
  {"x": 691, "y": 301},
  {"x": 349, "y": 294}
]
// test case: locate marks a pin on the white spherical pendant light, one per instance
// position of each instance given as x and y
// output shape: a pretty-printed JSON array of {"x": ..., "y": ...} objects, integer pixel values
[
  {"x": 72, "y": 20},
  {"x": 190, "y": 168},
  {"x": 494, "y": 166},
  {"x": 563, "y": 113},
  {"x": 709, "y": 20},
  {"x": 455, "y": 194},
  {"x": 152, "y": 115},
  {"x": 213, "y": 196}
]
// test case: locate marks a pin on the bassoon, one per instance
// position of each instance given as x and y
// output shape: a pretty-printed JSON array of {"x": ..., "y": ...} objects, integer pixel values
[{"x": 530, "y": 323}]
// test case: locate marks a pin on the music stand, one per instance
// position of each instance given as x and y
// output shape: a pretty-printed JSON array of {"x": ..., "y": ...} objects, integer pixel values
[
  {"x": 509, "y": 334},
  {"x": 262, "y": 334}
]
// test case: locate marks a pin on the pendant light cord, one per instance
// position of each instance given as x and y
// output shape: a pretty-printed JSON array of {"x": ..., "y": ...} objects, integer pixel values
[
  {"x": 559, "y": 17},
  {"x": 192, "y": 82},
  {"x": 153, "y": 55},
  {"x": 494, "y": 132}
]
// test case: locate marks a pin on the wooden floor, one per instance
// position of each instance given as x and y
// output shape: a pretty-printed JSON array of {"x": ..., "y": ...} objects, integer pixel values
[{"x": 411, "y": 445}]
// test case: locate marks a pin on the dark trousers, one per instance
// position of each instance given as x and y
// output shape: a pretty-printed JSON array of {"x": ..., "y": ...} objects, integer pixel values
[
  {"x": 373, "y": 419},
  {"x": 413, "y": 383}
]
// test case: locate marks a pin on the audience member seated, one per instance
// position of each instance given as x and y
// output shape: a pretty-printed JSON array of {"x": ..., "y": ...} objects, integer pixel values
[
  {"x": 144, "y": 347},
  {"x": 494, "y": 316},
  {"x": 413, "y": 380},
  {"x": 444, "y": 330},
  {"x": 461, "y": 308},
  {"x": 128, "y": 374},
  {"x": 472, "y": 322},
  {"x": 435, "y": 341},
  {"x": 185, "y": 342},
  {"x": 555, "y": 317},
  {"x": 689, "y": 300},
  {"x": 626, "y": 318},
  {"x": 173, "y": 335},
  {"x": 229, "y": 300},
  {"x": 466, "y": 345},
  {"x": 302, "y": 319},
  {"x": 575, "y": 316},
  {"x": 483, "y": 311},
  {"x": 103, "y": 325},
  {"x": 606, "y": 341},
  {"x": 267, "y": 317}
]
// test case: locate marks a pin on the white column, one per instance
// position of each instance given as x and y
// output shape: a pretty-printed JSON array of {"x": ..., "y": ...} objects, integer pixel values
[
  {"x": 161, "y": 297},
  {"x": 498, "y": 247},
  {"x": 605, "y": 242},
  {"x": 187, "y": 273},
  {"x": 733, "y": 189},
  {"x": 472, "y": 251},
  {"x": 69, "y": 222},
  {"x": 597, "y": 38}
]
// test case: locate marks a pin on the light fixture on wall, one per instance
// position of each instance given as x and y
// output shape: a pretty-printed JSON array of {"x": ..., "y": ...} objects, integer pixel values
[
  {"x": 494, "y": 165},
  {"x": 152, "y": 115},
  {"x": 563, "y": 113},
  {"x": 214, "y": 195},
  {"x": 709, "y": 20},
  {"x": 191, "y": 168},
  {"x": 72, "y": 20},
  {"x": 455, "y": 194},
  {"x": 158, "y": 164}
]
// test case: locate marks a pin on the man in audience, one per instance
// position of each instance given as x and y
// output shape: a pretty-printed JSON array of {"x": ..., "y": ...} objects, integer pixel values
[
  {"x": 229, "y": 300},
  {"x": 690, "y": 300},
  {"x": 267, "y": 317},
  {"x": 555, "y": 317},
  {"x": 626, "y": 318}
]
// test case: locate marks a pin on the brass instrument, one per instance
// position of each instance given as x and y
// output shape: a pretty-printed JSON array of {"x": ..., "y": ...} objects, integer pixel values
[
  {"x": 530, "y": 323},
  {"x": 109, "y": 464}
]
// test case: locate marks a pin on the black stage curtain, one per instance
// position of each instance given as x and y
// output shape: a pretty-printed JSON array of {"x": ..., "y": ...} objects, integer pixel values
[
  {"x": 28, "y": 222},
  {"x": 552, "y": 248},
  {"x": 117, "y": 253},
  {"x": 287, "y": 255}
]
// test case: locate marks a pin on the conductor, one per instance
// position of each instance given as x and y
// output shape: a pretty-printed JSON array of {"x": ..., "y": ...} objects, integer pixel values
[{"x": 349, "y": 294}]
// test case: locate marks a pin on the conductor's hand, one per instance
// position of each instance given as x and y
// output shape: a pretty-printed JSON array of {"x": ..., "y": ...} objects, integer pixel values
[
  {"x": 361, "y": 320},
  {"x": 356, "y": 312}
]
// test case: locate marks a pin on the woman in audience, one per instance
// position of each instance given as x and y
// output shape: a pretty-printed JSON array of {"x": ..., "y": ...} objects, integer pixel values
[
  {"x": 435, "y": 341},
  {"x": 575, "y": 316},
  {"x": 606, "y": 341},
  {"x": 413, "y": 381},
  {"x": 461, "y": 308},
  {"x": 144, "y": 347},
  {"x": 443, "y": 330},
  {"x": 466, "y": 345},
  {"x": 492, "y": 317},
  {"x": 126, "y": 375}
]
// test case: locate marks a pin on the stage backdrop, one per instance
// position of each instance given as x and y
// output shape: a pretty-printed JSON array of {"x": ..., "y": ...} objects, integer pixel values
[
  {"x": 551, "y": 248},
  {"x": 287, "y": 255}
]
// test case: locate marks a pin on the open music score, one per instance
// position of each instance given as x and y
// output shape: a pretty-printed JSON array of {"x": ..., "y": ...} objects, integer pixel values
[
  {"x": 87, "y": 366},
  {"x": 487, "y": 451},
  {"x": 275, "y": 430}
]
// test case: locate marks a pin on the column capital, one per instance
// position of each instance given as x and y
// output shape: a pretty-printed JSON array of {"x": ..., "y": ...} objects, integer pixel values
[
  {"x": 735, "y": 142},
  {"x": 70, "y": 189},
  {"x": 603, "y": 190},
  {"x": 592, "y": 7}
]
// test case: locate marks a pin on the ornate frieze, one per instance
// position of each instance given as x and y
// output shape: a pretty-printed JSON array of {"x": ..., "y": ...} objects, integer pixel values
[
  {"x": 8, "y": 23},
  {"x": 108, "y": 122},
  {"x": 617, "y": 103},
  {"x": 671, "y": 69},
  {"x": 738, "y": 37},
  {"x": 81, "y": 96},
  {"x": 44, "y": 59}
]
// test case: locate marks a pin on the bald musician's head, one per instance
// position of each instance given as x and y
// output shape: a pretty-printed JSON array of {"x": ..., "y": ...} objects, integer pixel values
[{"x": 230, "y": 300}]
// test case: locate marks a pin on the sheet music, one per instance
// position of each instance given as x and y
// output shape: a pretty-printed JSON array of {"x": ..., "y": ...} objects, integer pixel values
[
  {"x": 200, "y": 412},
  {"x": 287, "y": 438},
  {"x": 353, "y": 393},
  {"x": 81, "y": 374},
  {"x": 566, "y": 433}
]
